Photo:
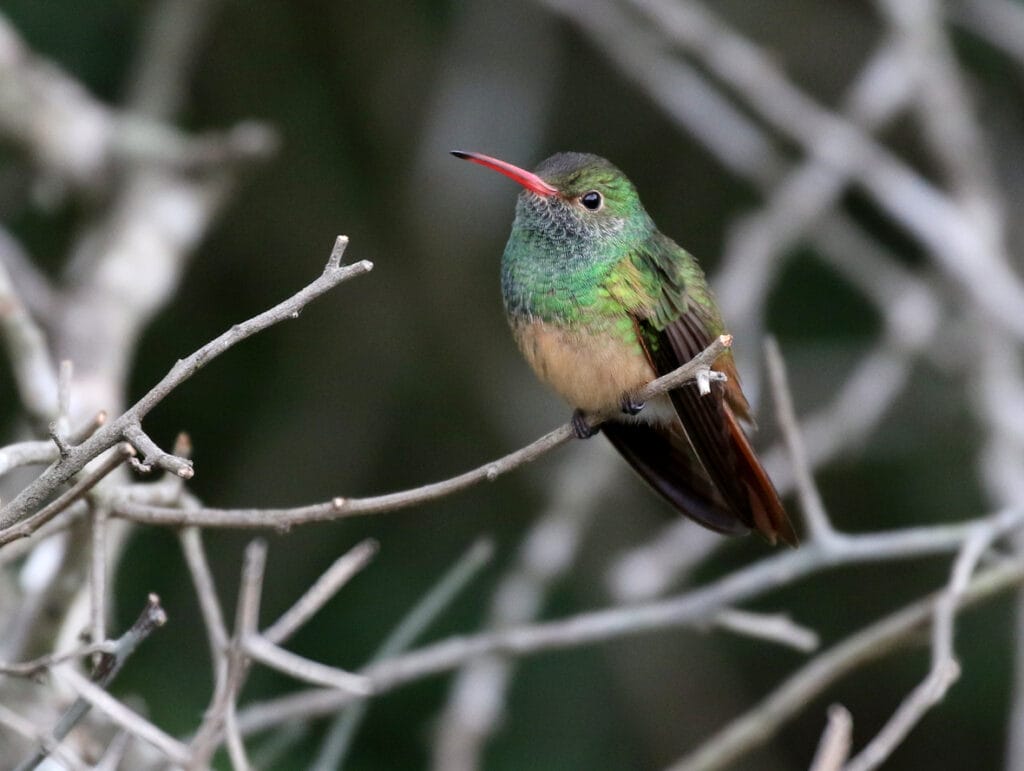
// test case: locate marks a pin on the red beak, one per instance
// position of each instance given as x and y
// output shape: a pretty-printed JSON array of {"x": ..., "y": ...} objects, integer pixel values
[{"x": 527, "y": 179}]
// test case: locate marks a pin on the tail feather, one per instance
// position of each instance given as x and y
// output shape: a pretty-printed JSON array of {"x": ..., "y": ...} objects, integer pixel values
[
  {"x": 663, "y": 458},
  {"x": 766, "y": 509},
  {"x": 731, "y": 464}
]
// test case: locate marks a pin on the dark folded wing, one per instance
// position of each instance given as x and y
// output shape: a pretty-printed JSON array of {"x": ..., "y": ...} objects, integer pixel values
[
  {"x": 663, "y": 458},
  {"x": 681, "y": 325}
]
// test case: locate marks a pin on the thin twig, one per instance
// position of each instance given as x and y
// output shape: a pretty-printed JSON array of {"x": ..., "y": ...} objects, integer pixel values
[
  {"x": 87, "y": 429},
  {"x": 761, "y": 722},
  {"x": 152, "y": 455},
  {"x": 982, "y": 268},
  {"x": 944, "y": 669},
  {"x": 777, "y": 628},
  {"x": 27, "y": 728},
  {"x": 206, "y": 591},
  {"x": 695, "y": 607},
  {"x": 815, "y": 516},
  {"x": 222, "y": 712},
  {"x": 999, "y": 22},
  {"x": 28, "y": 351},
  {"x": 151, "y": 618},
  {"x": 340, "y": 735},
  {"x": 114, "y": 755},
  {"x": 834, "y": 747},
  {"x": 478, "y": 691},
  {"x": 262, "y": 650},
  {"x": 92, "y": 694},
  {"x": 34, "y": 667},
  {"x": 98, "y": 575},
  {"x": 107, "y": 436},
  {"x": 325, "y": 587},
  {"x": 26, "y": 454}
]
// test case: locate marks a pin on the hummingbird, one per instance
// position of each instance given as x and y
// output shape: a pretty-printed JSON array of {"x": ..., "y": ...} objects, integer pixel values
[{"x": 601, "y": 303}]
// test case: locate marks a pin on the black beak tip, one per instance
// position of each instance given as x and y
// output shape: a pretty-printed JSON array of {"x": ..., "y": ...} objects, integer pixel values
[{"x": 459, "y": 154}]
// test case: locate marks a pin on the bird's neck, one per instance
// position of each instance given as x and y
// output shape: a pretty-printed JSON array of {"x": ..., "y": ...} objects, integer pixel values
[{"x": 552, "y": 280}]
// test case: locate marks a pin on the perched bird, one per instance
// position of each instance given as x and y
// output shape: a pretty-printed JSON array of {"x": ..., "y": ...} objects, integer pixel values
[{"x": 601, "y": 303}]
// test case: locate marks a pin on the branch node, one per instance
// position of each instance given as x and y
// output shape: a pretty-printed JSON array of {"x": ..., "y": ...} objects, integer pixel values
[
  {"x": 152, "y": 455},
  {"x": 58, "y": 439}
]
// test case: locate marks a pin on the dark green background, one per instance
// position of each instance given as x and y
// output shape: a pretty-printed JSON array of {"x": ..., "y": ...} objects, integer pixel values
[{"x": 408, "y": 375}]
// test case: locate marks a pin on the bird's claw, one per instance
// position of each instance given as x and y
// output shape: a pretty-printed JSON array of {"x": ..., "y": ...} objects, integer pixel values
[
  {"x": 631, "y": 407},
  {"x": 581, "y": 427}
]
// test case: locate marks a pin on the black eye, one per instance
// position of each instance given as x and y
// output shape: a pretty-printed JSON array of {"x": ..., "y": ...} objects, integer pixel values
[{"x": 591, "y": 200}]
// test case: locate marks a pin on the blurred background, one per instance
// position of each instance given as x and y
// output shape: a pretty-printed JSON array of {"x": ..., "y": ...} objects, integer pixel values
[{"x": 409, "y": 375}]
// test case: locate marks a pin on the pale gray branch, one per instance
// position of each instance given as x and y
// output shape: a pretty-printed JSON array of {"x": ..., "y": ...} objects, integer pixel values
[
  {"x": 108, "y": 435},
  {"x": 26, "y": 454},
  {"x": 339, "y": 737},
  {"x": 27, "y": 348},
  {"x": 338, "y": 508},
  {"x": 762, "y": 721},
  {"x": 323, "y": 589},
  {"x": 695, "y": 607},
  {"x": 815, "y": 515},
  {"x": 834, "y": 747},
  {"x": 262, "y": 650},
  {"x": 777, "y": 628},
  {"x": 151, "y": 618},
  {"x": 129, "y": 720},
  {"x": 29, "y": 525}
]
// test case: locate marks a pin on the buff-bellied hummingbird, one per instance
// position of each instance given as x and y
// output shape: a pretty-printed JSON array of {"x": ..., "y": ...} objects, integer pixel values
[{"x": 601, "y": 303}]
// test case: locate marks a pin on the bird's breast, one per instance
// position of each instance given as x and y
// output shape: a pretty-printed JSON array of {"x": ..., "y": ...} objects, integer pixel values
[{"x": 590, "y": 368}]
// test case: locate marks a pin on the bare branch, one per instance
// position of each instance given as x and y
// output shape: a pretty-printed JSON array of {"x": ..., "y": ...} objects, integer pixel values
[
  {"x": 25, "y": 727},
  {"x": 342, "y": 732},
  {"x": 944, "y": 669},
  {"x": 92, "y": 694},
  {"x": 26, "y": 454},
  {"x": 113, "y": 756},
  {"x": 111, "y": 433},
  {"x": 87, "y": 429},
  {"x": 834, "y": 748},
  {"x": 27, "y": 527},
  {"x": 152, "y": 455},
  {"x": 322, "y": 590},
  {"x": 301, "y": 668},
  {"x": 810, "y": 499},
  {"x": 27, "y": 349},
  {"x": 999, "y": 22},
  {"x": 98, "y": 575},
  {"x": 970, "y": 259},
  {"x": 695, "y": 607},
  {"x": 231, "y": 677},
  {"x": 202, "y": 580},
  {"x": 778, "y": 628},
  {"x": 34, "y": 667},
  {"x": 152, "y": 618},
  {"x": 478, "y": 691},
  {"x": 764, "y": 719},
  {"x": 338, "y": 508},
  {"x": 76, "y": 138}
]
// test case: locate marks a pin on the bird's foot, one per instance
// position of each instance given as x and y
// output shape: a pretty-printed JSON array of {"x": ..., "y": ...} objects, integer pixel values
[
  {"x": 581, "y": 427},
  {"x": 631, "y": 407}
]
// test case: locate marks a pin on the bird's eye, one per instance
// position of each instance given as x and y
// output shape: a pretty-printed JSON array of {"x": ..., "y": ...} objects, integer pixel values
[{"x": 591, "y": 200}]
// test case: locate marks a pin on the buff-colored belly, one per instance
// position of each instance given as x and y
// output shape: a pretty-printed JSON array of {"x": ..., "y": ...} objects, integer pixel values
[{"x": 590, "y": 371}]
